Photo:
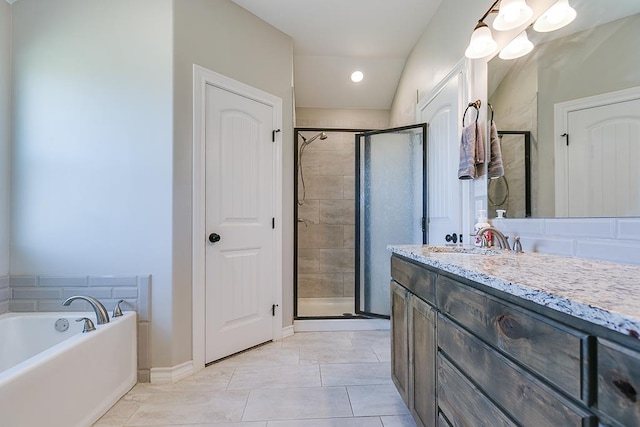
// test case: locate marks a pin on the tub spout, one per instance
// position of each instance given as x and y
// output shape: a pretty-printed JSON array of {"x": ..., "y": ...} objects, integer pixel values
[{"x": 102, "y": 316}]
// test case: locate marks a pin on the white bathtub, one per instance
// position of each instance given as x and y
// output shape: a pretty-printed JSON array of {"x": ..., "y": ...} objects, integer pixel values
[{"x": 66, "y": 379}]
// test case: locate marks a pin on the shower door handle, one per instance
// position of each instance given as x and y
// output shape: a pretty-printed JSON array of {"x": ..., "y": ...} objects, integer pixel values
[{"x": 214, "y": 237}]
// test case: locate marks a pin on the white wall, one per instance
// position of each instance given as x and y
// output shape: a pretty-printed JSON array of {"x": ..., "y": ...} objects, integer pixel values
[
  {"x": 92, "y": 148},
  {"x": 221, "y": 36},
  {"x": 5, "y": 134},
  {"x": 435, "y": 54}
]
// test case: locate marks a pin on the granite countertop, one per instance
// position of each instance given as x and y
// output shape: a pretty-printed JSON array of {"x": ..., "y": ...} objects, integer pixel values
[{"x": 604, "y": 293}]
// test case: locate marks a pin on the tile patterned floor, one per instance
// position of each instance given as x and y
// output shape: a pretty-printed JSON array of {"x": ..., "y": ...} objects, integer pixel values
[{"x": 311, "y": 379}]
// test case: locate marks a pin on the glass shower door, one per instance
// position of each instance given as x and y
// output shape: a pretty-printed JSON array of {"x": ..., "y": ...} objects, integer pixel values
[{"x": 390, "y": 208}]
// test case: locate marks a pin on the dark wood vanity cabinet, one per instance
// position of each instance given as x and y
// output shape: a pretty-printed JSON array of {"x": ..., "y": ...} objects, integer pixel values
[
  {"x": 619, "y": 382},
  {"x": 466, "y": 356}
]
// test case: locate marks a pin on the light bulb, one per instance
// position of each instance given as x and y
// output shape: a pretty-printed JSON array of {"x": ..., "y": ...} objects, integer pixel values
[
  {"x": 482, "y": 43},
  {"x": 512, "y": 14},
  {"x": 357, "y": 76},
  {"x": 518, "y": 47},
  {"x": 556, "y": 17}
]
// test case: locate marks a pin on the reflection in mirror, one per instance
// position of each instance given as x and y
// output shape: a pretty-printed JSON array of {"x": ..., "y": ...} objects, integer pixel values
[
  {"x": 511, "y": 192},
  {"x": 593, "y": 55}
]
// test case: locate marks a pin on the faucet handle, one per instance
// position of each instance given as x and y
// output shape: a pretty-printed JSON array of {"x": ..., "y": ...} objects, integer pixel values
[
  {"x": 117, "y": 311},
  {"x": 88, "y": 324},
  {"x": 517, "y": 246}
]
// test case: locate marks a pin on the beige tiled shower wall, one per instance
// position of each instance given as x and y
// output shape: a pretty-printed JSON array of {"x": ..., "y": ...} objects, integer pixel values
[
  {"x": 326, "y": 246},
  {"x": 325, "y": 238}
]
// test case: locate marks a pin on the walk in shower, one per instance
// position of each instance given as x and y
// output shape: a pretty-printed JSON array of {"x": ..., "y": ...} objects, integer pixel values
[{"x": 357, "y": 192}]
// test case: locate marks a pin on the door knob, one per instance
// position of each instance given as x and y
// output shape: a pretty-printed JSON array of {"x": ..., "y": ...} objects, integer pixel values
[
  {"x": 214, "y": 237},
  {"x": 451, "y": 238}
]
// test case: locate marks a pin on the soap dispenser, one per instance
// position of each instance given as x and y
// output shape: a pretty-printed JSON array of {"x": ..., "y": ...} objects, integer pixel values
[{"x": 482, "y": 223}]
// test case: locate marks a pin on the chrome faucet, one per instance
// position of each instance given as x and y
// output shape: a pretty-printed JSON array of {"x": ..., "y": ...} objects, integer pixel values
[
  {"x": 503, "y": 240},
  {"x": 102, "y": 316}
]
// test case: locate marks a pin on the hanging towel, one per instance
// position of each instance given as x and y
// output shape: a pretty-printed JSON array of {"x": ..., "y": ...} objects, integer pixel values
[
  {"x": 496, "y": 169},
  {"x": 472, "y": 151}
]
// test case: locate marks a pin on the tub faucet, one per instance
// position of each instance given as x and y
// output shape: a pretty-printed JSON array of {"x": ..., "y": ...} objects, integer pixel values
[
  {"x": 503, "y": 240},
  {"x": 102, "y": 316}
]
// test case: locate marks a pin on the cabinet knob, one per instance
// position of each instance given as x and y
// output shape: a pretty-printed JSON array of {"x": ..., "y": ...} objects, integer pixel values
[
  {"x": 510, "y": 327},
  {"x": 627, "y": 390}
]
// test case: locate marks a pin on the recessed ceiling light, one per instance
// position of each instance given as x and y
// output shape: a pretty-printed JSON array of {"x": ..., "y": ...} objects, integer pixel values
[{"x": 357, "y": 76}]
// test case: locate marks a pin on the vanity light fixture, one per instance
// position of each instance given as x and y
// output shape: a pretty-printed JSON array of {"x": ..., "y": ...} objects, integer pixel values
[
  {"x": 482, "y": 43},
  {"x": 518, "y": 47},
  {"x": 357, "y": 76},
  {"x": 512, "y": 14},
  {"x": 557, "y": 16}
]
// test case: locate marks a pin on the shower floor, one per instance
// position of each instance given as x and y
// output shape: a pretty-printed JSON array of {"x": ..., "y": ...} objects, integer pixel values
[{"x": 314, "y": 307}]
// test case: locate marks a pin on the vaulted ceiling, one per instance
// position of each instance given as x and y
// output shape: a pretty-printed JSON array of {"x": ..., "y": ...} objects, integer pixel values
[{"x": 333, "y": 38}]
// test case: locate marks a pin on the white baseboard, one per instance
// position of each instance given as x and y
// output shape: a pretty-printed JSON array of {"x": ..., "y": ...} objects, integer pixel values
[
  {"x": 173, "y": 374},
  {"x": 322, "y": 325},
  {"x": 287, "y": 331}
]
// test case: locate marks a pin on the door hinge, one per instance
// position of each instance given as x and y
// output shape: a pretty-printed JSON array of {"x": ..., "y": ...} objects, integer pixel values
[
  {"x": 566, "y": 135},
  {"x": 424, "y": 224},
  {"x": 273, "y": 223},
  {"x": 273, "y": 310},
  {"x": 273, "y": 134}
]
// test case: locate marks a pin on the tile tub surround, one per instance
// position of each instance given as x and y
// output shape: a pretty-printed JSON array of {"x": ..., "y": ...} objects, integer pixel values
[
  {"x": 606, "y": 294},
  {"x": 46, "y": 293},
  {"x": 310, "y": 379}
]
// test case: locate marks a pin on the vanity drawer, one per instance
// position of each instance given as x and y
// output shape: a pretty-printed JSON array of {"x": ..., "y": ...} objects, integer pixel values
[
  {"x": 418, "y": 280},
  {"x": 461, "y": 402},
  {"x": 619, "y": 382},
  {"x": 525, "y": 398},
  {"x": 553, "y": 351}
]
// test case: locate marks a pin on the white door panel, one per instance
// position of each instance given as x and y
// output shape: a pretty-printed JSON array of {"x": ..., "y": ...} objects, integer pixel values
[
  {"x": 444, "y": 190},
  {"x": 239, "y": 208},
  {"x": 603, "y": 160}
]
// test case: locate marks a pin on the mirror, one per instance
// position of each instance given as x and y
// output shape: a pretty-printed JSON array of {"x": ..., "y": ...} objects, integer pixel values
[{"x": 592, "y": 60}]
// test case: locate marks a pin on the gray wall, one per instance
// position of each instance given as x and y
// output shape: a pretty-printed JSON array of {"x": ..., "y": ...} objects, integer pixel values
[
  {"x": 102, "y": 147},
  {"x": 92, "y": 145},
  {"x": 5, "y": 134}
]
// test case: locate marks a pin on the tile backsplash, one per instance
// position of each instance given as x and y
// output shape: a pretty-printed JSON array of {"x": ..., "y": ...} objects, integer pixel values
[
  {"x": 606, "y": 239},
  {"x": 46, "y": 293}
]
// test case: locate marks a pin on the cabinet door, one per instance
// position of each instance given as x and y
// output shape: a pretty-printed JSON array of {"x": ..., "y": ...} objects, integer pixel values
[
  {"x": 422, "y": 369},
  {"x": 399, "y": 341},
  {"x": 619, "y": 382},
  {"x": 463, "y": 404},
  {"x": 553, "y": 351},
  {"x": 525, "y": 398}
]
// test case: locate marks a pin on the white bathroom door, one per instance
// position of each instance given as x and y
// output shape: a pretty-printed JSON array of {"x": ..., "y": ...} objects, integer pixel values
[
  {"x": 603, "y": 160},
  {"x": 240, "y": 272},
  {"x": 443, "y": 187}
]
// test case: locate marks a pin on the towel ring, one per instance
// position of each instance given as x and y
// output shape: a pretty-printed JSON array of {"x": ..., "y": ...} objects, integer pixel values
[{"x": 475, "y": 105}]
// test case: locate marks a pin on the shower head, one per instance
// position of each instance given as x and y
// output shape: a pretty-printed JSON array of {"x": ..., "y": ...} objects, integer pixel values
[{"x": 321, "y": 135}]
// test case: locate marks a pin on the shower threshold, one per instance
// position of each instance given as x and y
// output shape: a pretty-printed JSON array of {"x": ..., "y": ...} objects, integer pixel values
[{"x": 326, "y": 307}]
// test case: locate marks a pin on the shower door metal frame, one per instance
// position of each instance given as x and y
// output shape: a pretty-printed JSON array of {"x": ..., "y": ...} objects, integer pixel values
[
  {"x": 424, "y": 127},
  {"x": 296, "y": 132}
]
